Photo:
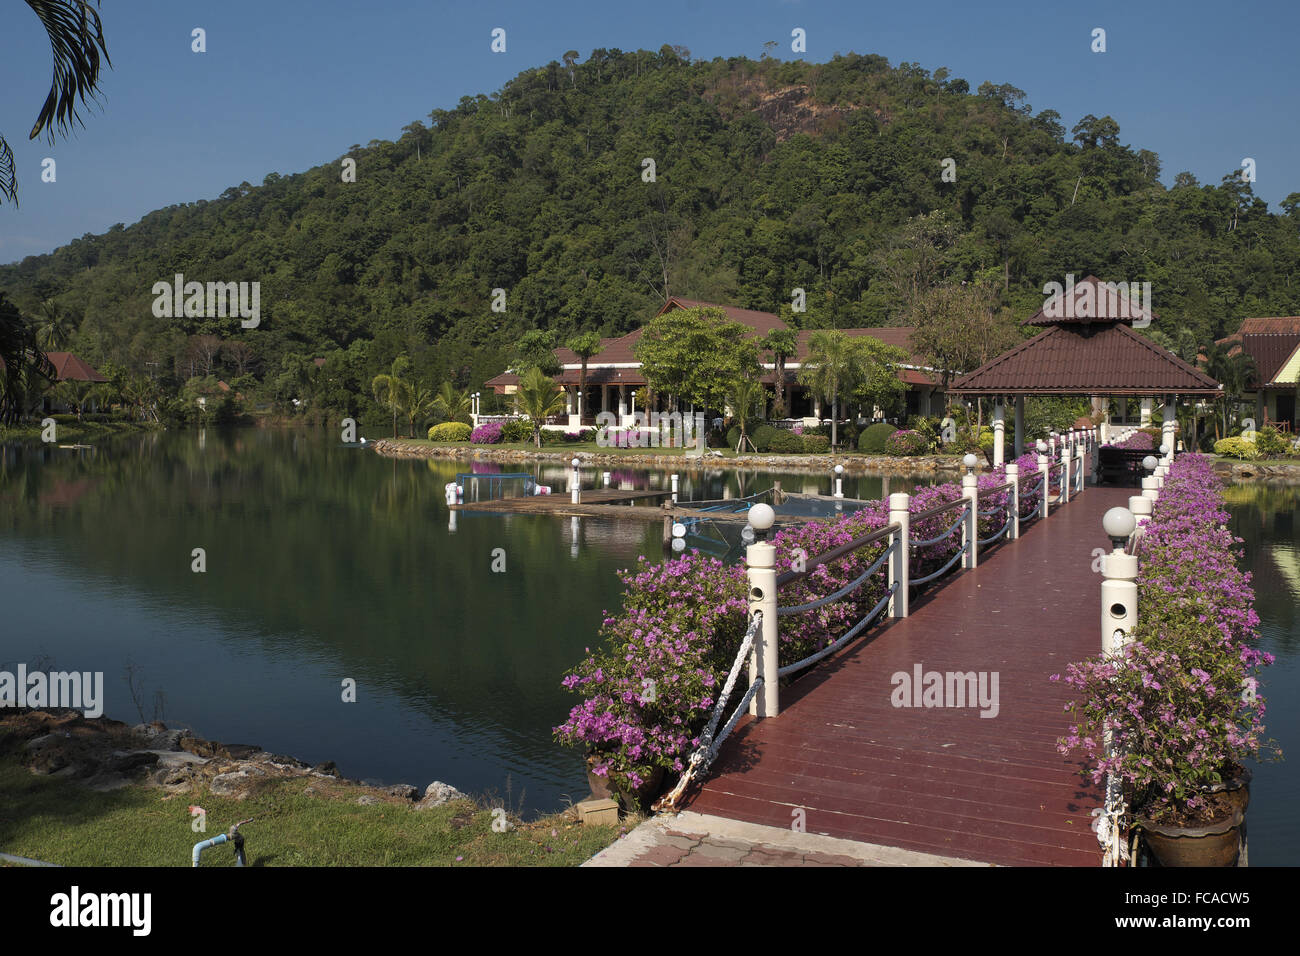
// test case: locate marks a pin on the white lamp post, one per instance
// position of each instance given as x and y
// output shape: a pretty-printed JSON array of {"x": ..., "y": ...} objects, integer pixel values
[
  {"x": 839, "y": 481},
  {"x": 574, "y": 484},
  {"x": 760, "y": 564}
]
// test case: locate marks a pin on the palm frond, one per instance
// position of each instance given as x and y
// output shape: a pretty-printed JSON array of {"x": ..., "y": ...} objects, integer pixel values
[
  {"x": 76, "y": 41},
  {"x": 8, "y": 175}
]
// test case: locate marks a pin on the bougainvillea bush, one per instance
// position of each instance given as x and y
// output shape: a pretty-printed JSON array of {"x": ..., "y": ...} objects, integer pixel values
[
  {"x": 1140, "y": 441},
  {"x": 1181, "y": 700},
  {"x": 906, "y": 443},
  {"x": 649, "y": 688},
  {"x": 488, "y": 433}
]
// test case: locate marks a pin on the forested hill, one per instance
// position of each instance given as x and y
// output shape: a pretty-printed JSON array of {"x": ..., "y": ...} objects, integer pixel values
[{"x": 768, "y": 176}]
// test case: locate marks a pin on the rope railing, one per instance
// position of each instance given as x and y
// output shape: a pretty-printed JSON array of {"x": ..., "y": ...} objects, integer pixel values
[
  {"x": 707, "y": 751},
  {"x": 930, "y": 577},
  {"x": 843, "y": 639},
  {"x": 842, "y": 592},
  {"x": 951, "y": 528},
  {"x": 836, "y": 553}
]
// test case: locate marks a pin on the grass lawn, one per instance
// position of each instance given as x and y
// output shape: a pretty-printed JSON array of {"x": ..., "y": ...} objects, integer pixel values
[{"x": 58, "y": 821}]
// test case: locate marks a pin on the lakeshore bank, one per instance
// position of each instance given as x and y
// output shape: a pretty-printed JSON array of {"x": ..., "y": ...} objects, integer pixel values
[{"x": 923, "y": 466}]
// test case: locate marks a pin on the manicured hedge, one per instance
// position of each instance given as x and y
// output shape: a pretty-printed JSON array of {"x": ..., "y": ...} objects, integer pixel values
[
  {"x": 517, "y": 430},
  {"x": 762, "y": 437},
  {"x": 816, "y": 444},
  {"x": 906, "y": 444},
  {"x": 786, "y": 443},
  {"x": 450, "y": 431},
  {"x": 873, "y": 437}
]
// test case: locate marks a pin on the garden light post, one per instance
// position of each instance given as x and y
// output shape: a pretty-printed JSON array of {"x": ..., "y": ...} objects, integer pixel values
[
  {"x": 1013, "y": 476},
  {"x": 970, "y": 527},
  {"x": 839, "y": 481},
  {"x": 899, "y": 571},
  {"x": 1150, "y": 484},
  {"x": 575, "y": 483},
  {"x": 1043, "y": 469},
  {"x": 1119, "y": 583},
  {"x": 674, "y": 481},
  {"x": 760, "y": 569}
]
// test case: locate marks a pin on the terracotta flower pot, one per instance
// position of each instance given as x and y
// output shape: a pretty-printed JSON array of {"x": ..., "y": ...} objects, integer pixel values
[
  {"x": 639, "y": 799},
  {"x": 1215, "y": 844}
]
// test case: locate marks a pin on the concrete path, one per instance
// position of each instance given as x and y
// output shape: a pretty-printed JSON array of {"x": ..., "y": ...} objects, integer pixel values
[{"x": 698, "y": 839}]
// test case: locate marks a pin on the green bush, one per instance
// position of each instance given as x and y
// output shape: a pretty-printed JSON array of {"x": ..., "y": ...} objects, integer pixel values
[
  {"x": 816, "y": 444},
  {"x": 762, "y": 437},
  {"x": 1269, "y": 441},
  {"x": 450, "y": 431},
  {"x": 733, "y": 436},
  {"x": 1237, "y": 448},
  {"x": 517, "y": 430},
  {"x": 906, "y": 444},
  {"x": 872, "y": 439},
  {"x": 786, "y": 443}
]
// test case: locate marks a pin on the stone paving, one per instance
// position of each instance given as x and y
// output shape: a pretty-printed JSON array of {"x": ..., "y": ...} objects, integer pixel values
[{"x": 697, "y": 839}]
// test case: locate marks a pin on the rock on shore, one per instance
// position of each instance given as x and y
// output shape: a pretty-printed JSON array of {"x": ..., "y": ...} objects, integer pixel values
[{"x": 107, "y": 754}]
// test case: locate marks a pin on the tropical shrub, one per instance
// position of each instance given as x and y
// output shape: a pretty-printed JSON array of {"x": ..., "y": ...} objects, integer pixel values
[
  {"x": 1271, "y": 442},
  {"x": 1180, "y": 701},
  {"x": 489, "y": 433},
  {"x": 816, "y": 444},
  {"x": 450, "y": 431},
  {"x": 906, "y": 444},
  {"x": 1238, "y": 448},
  {"x": 787, "y": 443},
  {"x": 762, "y": 437},
  {"x": 872, "y": 438},
  {"x": 733, "y": 436},
  {"x": 517, "y": 430}
]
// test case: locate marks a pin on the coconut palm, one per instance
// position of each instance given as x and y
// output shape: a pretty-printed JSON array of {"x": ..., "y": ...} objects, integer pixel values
[
  {"x": 584, "y": 345},
  {"x": 52, "y": 326},
  {"x": 832, "y": 367},
  {"x": 783, "y": 345},
  {"x": 539, "y": 399},
  {"x": 745, "y": 400},
  {"x": 393, "y": 390},
  {"x": 76, "y": 42},
  {"x": 453, "y": 405},
  {"x": 421, "y": 401},
  {"x": 24, "y": 369}
]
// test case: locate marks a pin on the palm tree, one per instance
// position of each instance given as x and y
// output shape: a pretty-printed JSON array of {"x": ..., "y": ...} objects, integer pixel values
[
  {"x": 744, "y": 401},
  {"x": 539, "y": 399},
  {"x": 783, "y": 344},
  {"x": 584, "y": 345},
  {"x": 392, "y": 390},
  {"x": 451, "y": 404},
  {"x": 1234, "y": 370},
  {"x": 832, "y": 367},
  {"x": 52, "y": 330},
  {"x": 24, "y": 368},
  {"x": 76, "y": 41},
  {"x": 420, "y": 402}
]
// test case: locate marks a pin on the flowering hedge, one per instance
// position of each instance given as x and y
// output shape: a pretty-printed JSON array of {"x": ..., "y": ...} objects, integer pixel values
[
  {"x": 1140, "y": 441},
  {"x": 1180, "y": 699},
  {"x": 906, "y": 443},
  {"x": 488, "y": 433}
]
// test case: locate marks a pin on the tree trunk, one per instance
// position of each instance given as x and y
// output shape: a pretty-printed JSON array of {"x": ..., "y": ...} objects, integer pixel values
[
  {"x": 835, "y": 399},
  {"x": 394, "y": 423},
  {"x": 780, "y": 386}
]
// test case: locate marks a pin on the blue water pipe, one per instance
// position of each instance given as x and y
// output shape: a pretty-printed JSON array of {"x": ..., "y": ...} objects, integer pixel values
[{"x": 234, "y": 836}]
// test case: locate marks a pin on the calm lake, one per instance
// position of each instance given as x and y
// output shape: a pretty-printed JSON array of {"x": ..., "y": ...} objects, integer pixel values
[{"x": 325, "y": 563}]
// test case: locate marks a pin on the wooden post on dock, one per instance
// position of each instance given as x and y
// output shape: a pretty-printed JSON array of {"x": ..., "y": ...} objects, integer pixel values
[
  {"x": 777, "y": 497},
  {"x": 668, "y": 526}
]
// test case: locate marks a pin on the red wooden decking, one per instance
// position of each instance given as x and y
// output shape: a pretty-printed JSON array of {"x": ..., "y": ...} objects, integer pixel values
[{"x": 944, "y": 780}]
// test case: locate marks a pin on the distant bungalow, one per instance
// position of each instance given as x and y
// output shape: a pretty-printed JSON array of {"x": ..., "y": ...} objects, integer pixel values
[
  {"x": 1274, "y": 345},
  {"x": 614, "y": 374}
]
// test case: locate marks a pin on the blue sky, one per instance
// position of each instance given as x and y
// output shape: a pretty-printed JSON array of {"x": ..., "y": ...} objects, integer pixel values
[{"x": 289, "y": 84}]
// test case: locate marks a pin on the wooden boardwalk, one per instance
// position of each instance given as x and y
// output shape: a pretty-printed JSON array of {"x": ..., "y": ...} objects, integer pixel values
[{"x": 943, "y": 780}]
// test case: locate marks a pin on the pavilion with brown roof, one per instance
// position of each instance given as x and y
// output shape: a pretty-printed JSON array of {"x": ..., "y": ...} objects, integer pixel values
[
  {"x": 614, "y": 373},
  {"x": 1087, "y": 347}
]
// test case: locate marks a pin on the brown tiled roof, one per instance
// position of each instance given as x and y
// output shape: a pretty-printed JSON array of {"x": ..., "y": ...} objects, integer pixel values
[
  {"x": 1107, "y": 359},
  {"x": 68, "y": 366},
  {"x": 1269, "y": 341},
  {"x": 1108, "y": 306}
]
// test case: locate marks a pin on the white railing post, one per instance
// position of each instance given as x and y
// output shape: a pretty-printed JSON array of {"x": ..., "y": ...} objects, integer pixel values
[
  {"x": 1065, "y": 471},
  {"x": 1044, "y": 469},
  {"x": 760, "y": 568},
  {"x": 1141, "y": 508},
  {"x": 1119, "y": 583},
  {"x": 1013, "y": 476},
  {"x": 1078, "y": 466},
  {"x": 1150, "y": 484},
  {"x": 970, "y": 527},
  {"x": 899, "y": 567}
]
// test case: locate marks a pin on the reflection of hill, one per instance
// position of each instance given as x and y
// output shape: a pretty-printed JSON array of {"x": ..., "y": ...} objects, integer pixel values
[{"x": 1263, "y": 517}]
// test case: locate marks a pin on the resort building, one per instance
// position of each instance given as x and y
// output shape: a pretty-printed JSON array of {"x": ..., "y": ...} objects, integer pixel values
[
  {"x": 1274, "y": 346},
  {"x": 614, "y": 374}
]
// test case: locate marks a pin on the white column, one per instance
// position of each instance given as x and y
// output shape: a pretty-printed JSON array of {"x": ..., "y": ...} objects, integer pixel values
[
  {"x": 999, "y": 433},
  {"x": 1013, "y": 476},
  {"x": 1065, "y": 470},
  {"x": 1020, "y": 425},
  {"x": 970, "y": 527},
  {"x": 760, "y": 564},
  {"x": 1148, "y": 404},
  {"x": 899, "y": 569},
  {"x": 1044, "y": 502},
  {"x": 1169, "y": 425}
]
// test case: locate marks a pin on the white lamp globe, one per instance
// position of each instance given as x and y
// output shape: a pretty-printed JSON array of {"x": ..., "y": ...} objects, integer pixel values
[
  {"x": 1149, "y": 462},
  {"x": 969, "y": 460},
  {"x": 761, "y": 517},
  {"x": 1118, "y": 523}
]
